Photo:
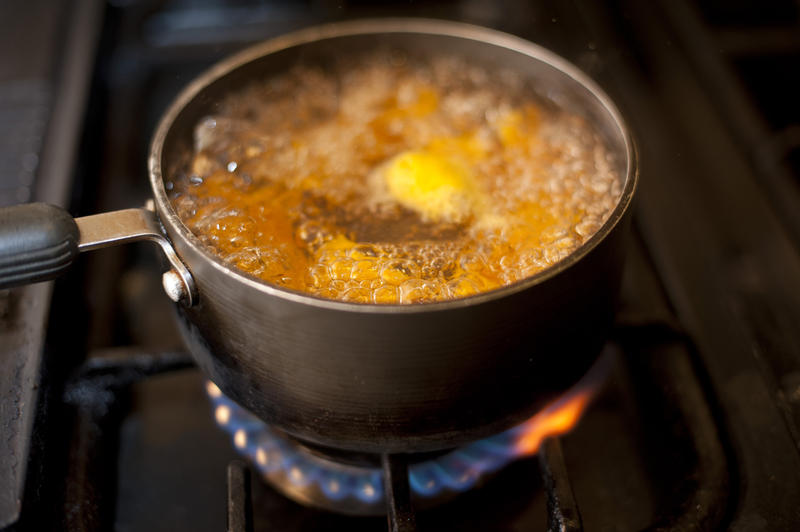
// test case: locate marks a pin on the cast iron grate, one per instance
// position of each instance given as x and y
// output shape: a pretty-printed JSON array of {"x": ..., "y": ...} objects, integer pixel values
[{"x": 562, "y": 510}]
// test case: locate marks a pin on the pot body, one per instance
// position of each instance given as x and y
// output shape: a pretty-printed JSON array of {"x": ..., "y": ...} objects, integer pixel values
[
  {"x": 378, "y": 381},
  {"x": 396, "y": 378}
]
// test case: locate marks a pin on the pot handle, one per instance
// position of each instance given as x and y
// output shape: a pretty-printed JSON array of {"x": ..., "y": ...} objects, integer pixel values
[{"x": 39, "y": 242}]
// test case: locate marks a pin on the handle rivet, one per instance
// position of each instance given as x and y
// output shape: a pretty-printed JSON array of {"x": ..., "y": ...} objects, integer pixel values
[{"x": 174, "y": 286}]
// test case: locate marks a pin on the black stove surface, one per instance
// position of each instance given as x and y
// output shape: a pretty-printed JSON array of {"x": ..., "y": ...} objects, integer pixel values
[{"x": 106, "y": 425}]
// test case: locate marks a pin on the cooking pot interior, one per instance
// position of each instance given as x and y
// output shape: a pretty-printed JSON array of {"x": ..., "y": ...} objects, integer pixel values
[{"x": 552, "y": 78}]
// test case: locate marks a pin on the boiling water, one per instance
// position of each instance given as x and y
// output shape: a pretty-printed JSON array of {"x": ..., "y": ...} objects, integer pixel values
[{"x": 385, "y": 180}]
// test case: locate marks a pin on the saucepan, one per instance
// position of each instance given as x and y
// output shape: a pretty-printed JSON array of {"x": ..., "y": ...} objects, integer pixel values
[{"x": 363, "y": 377}]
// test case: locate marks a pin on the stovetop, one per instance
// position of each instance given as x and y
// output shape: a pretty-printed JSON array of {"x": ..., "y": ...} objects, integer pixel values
[{"x": 104, "y": 420}]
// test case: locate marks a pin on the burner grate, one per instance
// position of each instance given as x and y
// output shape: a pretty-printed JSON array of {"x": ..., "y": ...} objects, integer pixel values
[
  {"x": 562, "y": 509},
  {"x": 654, "y": 356},
  {"x": 349, "y": 483}
]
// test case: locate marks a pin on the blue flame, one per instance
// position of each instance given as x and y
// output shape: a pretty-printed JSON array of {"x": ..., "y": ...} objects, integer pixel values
[{"x": 457, "y": 471}]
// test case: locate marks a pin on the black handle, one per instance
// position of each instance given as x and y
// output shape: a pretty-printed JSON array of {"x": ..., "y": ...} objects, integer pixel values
[{"x": 37, "y": 242}]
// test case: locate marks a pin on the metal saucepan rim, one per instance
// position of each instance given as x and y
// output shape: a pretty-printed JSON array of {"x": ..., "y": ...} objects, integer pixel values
[{"x": 379, "y": 26}]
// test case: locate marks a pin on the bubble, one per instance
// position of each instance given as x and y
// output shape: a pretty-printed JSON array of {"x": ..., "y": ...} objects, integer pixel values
[
  {"x": 473, "y": 262},
  {"x": 338, "y": 286},
  {"x": 462, "y": 287},
  {"x": 310, "y": 232},
  {"x": 397, "y": 271},
  {"x": 341, "y": 269},
  {"x": 416, "y": 290},
  {"x": 385, "y": 294},
  {"x": 357, "y": 295},
  {"x": 565, "y": 243},
  {"x": 317, "y": 276},
  {"x": 363, "y": 251},
  {"x": 365, "y": 270},
  {"x": 587, "y": 227}
]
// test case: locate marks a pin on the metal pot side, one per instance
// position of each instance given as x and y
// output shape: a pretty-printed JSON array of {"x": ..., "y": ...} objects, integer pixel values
[{"x": 397, "y": 378}]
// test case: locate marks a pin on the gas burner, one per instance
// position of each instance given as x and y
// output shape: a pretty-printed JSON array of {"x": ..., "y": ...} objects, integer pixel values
[{"x": 352, "y": 485}]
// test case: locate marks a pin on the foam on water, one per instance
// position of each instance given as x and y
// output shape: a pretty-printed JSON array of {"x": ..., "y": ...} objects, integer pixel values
[{"x": 282, "y": 183}]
